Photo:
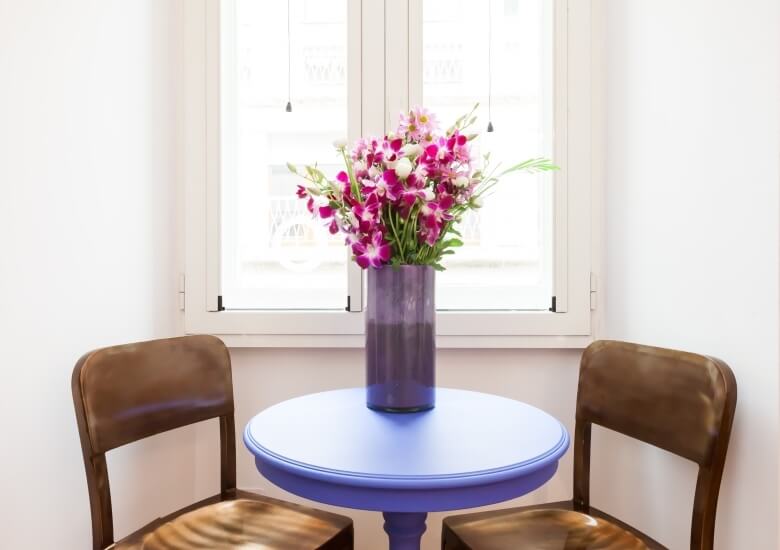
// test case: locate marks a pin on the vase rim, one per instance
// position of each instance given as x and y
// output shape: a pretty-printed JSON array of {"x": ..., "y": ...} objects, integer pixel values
[{"x": 405, "y": 266}]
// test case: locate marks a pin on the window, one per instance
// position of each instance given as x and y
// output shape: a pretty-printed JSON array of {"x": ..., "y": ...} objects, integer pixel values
[
  {"x": 274, "y": 255},
  {"x": 261, "y": 271},
  {"x": 506, "y": 263}
]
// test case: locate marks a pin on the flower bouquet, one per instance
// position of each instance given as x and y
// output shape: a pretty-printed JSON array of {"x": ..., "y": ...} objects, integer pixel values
[
  {"x": 399, "y": 201},
  {"x": 400, "y": 198}
]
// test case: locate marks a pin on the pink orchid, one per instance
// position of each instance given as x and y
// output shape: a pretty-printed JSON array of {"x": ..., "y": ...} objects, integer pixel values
[
  {"x": 367, "y": 214},
  {"x": 387, "y": 187},
  {"x": 325, "y": 211},
  {"x": 433, "y": 215},
  {"x": 372, "y": 251},
  {"x": 415, "y": 189}
]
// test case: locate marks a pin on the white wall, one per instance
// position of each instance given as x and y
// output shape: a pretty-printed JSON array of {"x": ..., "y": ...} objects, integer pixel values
[
  {"x": 692, "y": 201},
  {"x": 87, "y": 254}
]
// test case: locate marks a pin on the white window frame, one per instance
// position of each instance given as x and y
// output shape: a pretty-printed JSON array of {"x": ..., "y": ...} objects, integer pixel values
[{"x": 570, "y": 326}]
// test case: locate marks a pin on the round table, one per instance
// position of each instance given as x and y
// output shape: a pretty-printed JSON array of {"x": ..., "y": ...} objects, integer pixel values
[{"x": 472, "y": 449}]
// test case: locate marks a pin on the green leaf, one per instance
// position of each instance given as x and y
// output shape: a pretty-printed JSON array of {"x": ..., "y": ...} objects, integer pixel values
[
  {"x": 531, "y": 165},
  {"x": 437, "y": 266},
  {"x": 452, "y": 243}
]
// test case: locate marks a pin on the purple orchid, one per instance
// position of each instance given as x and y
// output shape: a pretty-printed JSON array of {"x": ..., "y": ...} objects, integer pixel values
[{"x": 372, "y": 251}]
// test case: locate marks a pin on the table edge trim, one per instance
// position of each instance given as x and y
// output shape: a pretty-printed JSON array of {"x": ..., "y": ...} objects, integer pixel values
[{"x": 345, "y": 477}]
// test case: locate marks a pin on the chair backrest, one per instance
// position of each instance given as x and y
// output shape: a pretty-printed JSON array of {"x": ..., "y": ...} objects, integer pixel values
[
  {"x": 681, "y": 402},
  {"x": 125, "y": 393}
]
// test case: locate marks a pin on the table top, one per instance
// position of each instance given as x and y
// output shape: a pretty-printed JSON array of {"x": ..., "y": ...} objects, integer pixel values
[{"x": 468, "y": 439}]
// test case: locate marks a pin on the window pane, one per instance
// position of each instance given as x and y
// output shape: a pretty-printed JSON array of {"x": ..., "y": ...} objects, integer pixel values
[
  {"x": 507, "y": 260},
  {"x": 275, "y": 256}
]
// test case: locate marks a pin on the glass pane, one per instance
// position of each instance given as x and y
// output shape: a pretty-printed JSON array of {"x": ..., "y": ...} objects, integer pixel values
[
  {"x": 507, "y": 260},
  {"x": 275, "y": 256}
]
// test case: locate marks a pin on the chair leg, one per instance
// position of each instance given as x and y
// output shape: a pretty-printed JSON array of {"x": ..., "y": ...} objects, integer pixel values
[{"x": 451, "y": 542}]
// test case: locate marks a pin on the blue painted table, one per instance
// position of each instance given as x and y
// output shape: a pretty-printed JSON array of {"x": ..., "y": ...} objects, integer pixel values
[{"x": 471, "y": 450}]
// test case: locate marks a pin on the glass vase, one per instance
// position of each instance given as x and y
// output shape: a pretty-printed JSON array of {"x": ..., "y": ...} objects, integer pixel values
[{"x": 401, "y": 339}]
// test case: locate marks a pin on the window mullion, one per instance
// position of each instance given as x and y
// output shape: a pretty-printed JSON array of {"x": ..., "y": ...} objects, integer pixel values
[
  {"x": 212, "y": 155},
  {"x": 397, "y": 60},
  {"x": 355, "y": 100},
  {"x": 560, "y": 154},
  {"x": 415, "y": 52}
]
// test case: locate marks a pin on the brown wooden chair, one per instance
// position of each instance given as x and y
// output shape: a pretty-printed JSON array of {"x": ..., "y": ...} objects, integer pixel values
[
  {"x": 681, "y": 402},
  {"x": 126, "y": 393}
]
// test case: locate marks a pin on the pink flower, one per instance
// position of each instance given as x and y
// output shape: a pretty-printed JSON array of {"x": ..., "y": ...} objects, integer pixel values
[
  {"x": 361, "y": 146},
  {"x": 367, "y": 214},
  {"x": 389, "y": 186},
  {"x": 343, "y": 179},
  {"x": 344, "y": 192},
  {"x": 418, "y": 125},
  {"x": 372, "y": 251},
  {"x": 325, "y": 211},
  {"x": 433, "y": 215},
  {"x": 415, "y": 189}
]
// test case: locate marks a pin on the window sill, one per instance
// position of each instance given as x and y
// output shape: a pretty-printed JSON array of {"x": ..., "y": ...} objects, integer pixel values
[
  {"x": 354, "y": 341},
  {"x": 340, "y": 329}
]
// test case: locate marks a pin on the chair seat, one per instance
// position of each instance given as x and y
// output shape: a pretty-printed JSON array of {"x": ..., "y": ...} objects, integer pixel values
[
  {"x": 554, "y": 526},
  {"x": 248, "y": 522}
]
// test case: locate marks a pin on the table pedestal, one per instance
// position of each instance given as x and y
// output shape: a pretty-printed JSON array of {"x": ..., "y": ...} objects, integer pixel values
[{"x": 404, "y": 529}]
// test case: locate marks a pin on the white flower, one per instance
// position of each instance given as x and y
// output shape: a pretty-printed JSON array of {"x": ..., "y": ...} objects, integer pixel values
[
  {"x": 340, "y": 143},
  {"x": 412, "y": 150},
  {"x": 373, "y": 172},
  {"x": 359, "y": 166},
  {"x": 461, "y": 181},
  {"x": 428, "y": 195},
  {"x": 403, "y": 168}
]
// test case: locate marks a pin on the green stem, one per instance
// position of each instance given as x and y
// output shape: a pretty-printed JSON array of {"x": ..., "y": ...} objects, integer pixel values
[
  {"x": 352, "y": 181},
  {"x": 410, "y": 225},
  {"x": 400, "y": 243}
]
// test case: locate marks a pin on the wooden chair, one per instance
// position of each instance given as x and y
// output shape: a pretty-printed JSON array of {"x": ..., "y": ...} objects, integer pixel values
[
  {"x": 681, "y": 402},
  {"x": 126, "y": 393}
]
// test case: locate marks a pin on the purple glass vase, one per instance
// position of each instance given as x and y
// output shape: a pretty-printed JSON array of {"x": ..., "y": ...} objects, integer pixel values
[{"x": 401, "y": 339}]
